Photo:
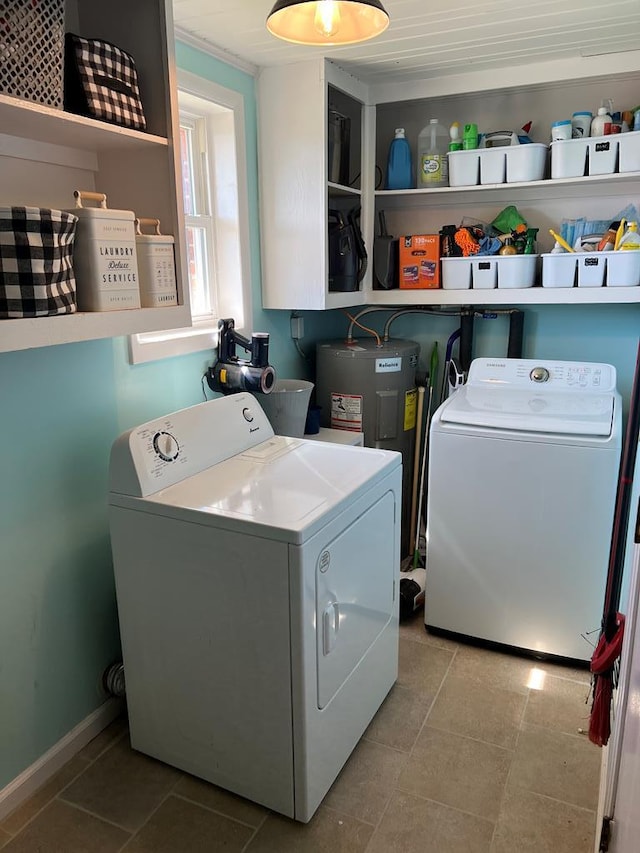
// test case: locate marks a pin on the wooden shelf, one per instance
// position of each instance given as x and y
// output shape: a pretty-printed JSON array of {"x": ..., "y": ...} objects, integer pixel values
[
  {"x": 507, "y": 296},
  {"x": 34, "y": 332},
  {"x": 44, "y": 124}
]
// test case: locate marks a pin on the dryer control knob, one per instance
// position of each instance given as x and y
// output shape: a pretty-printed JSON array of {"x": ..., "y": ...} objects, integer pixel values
[
  {"x": 539, "y": 374},
  {"x": 247, "y": 414}
]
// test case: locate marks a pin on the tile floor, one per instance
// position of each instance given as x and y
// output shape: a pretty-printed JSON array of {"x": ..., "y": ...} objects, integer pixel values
[{"x": 463, "y": 757}]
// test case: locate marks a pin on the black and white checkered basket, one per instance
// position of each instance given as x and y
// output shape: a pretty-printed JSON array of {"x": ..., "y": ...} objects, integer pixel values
[
  {"x": 101, "y": 81},
  {"x": 36, "y": 262}
]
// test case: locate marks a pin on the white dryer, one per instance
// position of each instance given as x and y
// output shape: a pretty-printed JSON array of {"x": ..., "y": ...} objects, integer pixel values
[
  {"x": 256, "y": 586},
  {"x": 523, "y": 471}
]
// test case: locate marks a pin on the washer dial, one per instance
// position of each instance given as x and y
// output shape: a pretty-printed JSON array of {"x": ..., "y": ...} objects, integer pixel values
[
  {"x": 539, "y": 374},
  {"x": 166, "y": 446}
]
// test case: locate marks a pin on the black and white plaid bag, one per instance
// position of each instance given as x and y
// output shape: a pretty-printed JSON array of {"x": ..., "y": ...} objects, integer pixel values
[
  {"x": 101, "y": 81},
  {"x": 36, "y": 262}
]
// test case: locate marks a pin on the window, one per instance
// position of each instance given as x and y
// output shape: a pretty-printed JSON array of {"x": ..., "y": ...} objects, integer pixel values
[{"x": 215, "y": 205}]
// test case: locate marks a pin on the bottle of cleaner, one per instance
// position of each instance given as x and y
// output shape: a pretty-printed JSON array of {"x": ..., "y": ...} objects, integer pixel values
[
  {"x": 399, "y": 166},
  {"x": 601, "y": 124},
  {"x": 631, "y": 238},
  {"x": 454, "y": 136},
  {"x": 507, "y": 247},
  {"x": 433, "y": 167}
]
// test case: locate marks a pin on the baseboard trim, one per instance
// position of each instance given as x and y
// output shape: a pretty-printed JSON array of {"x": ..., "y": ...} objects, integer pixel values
[{"x": 28, "y": 782}]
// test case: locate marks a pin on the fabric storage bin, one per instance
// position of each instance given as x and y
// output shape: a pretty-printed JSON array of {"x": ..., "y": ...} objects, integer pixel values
[
  {"x": 591, "y": 269},
  {"x": 36, "y": 268},
  {"x": 32, "y": 50},
  {"x": 492, "y": 165},
  {"x": 484, "y": 272},
  {"x": 104, "y": 256},
  {"x": 629, "y": 151},
  {"x": 623, "y": 269},
  {"x": 156, "y": 266},
  {"x": 603, "y": 154},
  {"x": 559, "y": 269},
  {"x": 101, "y": 82},
  {"x": 569, "y": 158},
  {"x": 516, "y": 271},
  {"x": 464, "y": 168},
  {"x": 456, "y": 273},
  {"x": 526, "y": 162}
]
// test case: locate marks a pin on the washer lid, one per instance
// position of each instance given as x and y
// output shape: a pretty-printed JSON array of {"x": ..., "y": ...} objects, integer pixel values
[{"x": 530, "y": 410}]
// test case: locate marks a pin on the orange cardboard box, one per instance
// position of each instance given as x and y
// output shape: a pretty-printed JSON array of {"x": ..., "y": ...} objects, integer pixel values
[{"x": 419, "y": 262}]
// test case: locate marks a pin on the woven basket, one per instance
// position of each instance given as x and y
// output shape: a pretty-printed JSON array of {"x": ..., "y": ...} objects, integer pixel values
[
  {"x": 32, "y": 50},
  {"x": 36, "y": 262}
]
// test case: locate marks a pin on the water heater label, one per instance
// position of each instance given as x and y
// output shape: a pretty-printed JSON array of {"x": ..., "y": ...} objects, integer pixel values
[
  {"x": 346, "y": 412},
  {"x": 410, "y": 409},
  {"x": 388, "y": 365}
]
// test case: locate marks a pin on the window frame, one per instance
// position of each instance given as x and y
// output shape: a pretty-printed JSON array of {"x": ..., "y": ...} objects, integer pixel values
[{"x": 230, "y": 300}]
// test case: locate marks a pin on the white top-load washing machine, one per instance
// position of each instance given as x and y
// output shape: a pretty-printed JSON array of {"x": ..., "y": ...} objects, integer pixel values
[
  {"x": 256, "y": 580},
  {"x": 523, "y": 471}
]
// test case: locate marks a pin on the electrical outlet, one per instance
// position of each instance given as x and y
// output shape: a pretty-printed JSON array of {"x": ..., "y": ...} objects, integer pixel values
[{"x": 297, "y": 327}]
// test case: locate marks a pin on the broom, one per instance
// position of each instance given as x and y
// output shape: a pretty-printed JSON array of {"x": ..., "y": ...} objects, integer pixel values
[{"x": 607, "y": 651}]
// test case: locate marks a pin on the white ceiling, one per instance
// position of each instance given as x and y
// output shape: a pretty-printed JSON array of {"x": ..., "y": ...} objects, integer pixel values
[{"x": 427, "y": 39}]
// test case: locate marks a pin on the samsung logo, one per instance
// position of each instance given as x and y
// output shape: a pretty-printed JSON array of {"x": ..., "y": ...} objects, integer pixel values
[{"x": 496, "y": 364}]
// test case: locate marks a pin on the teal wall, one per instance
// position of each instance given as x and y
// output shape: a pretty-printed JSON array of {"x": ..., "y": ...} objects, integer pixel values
[{"x": 62, "y": 408}]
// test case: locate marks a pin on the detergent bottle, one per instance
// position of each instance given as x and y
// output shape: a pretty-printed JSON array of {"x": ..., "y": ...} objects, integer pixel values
[
  {"x": 399, "y": 167},
  {"x": 433, "y": 167}
]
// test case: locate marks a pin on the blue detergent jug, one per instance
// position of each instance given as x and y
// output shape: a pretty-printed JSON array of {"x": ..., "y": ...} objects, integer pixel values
[{"x": 399, "y": 168}]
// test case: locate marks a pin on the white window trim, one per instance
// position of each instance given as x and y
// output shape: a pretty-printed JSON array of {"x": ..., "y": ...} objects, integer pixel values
[{"x": 232, "y": 301}]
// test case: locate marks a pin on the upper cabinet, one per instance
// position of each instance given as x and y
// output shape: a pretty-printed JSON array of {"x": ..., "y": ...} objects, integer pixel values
[
  {"x": 297, "y": 140},
  {"x": 316, "y": 173},
  {"x": 46, "y": 154}
]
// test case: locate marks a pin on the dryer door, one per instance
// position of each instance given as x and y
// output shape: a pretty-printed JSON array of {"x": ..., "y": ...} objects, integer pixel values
[{"x": 355, "y": 576}]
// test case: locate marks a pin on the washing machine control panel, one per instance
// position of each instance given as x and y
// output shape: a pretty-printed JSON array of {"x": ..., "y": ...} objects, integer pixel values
[{"x": 552, "y": 375}]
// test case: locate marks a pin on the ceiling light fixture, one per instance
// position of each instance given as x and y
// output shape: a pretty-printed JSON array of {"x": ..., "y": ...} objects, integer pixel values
[{"x": 321, "y": 22}]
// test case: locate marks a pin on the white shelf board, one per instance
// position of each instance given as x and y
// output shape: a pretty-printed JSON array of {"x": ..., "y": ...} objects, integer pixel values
[
  {"x": 45, "y": 124},
  {"x": 507, "y": 296},
  {"x": 34, "y": 332},
  {"x": 340, "y": 189},
  {"x": 558, "y": 187}
]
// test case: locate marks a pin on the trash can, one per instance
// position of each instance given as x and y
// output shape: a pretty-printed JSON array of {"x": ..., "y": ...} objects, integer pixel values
[{"x": 286, "y": 406}]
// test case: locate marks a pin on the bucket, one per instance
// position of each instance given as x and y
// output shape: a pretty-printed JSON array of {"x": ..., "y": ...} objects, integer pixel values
[{"x": 286, "y": 406}]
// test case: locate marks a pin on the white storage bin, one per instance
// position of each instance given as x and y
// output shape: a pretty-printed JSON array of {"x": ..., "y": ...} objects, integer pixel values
[
  {"x": 464, "y": 168},
  {"x": 456, "y": 273},
  {"x": 603, "y": 153},
  {"x": 623, "y": 268},
  {"x": 629, "y": 151},
  {"x": 516, "y": 271},
  {"x": 559, "y": 269},
  {"x": 104, "y": 256},
  {"x": 492, "y": 165},
  {"x": 526, "y": 162},
  {"x": 569, "y": 158},
  {"x": 591, "y": 269},
  {"x": 484, "y": 272},
  {"x": 156, "y": 266}
]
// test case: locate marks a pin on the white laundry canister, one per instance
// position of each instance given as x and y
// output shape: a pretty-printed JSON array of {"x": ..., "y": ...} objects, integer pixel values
[
  {"x": 156, "y": 266},
  {"x": 104, "y": 256}
]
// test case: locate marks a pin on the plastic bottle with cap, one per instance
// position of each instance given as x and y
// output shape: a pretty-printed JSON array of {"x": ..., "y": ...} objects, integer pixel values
[
  {"x": 454, "y": 136},
  {"x": 601, "y": 124},
  {"x": 433, "y": 166},
  {"x": 399, "y": 167}
]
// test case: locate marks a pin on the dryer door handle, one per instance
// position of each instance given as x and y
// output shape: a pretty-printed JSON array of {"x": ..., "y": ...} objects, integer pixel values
[{"x": 330, "y": 626}]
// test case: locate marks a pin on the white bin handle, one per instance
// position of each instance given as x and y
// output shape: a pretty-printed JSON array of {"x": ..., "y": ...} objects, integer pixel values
[{"x": 330, "y": 625}]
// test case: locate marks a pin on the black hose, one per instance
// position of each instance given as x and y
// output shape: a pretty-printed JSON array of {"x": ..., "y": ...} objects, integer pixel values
[
  {"x": 516, "y": 326},
  {"x": 466, "y": 340}
]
